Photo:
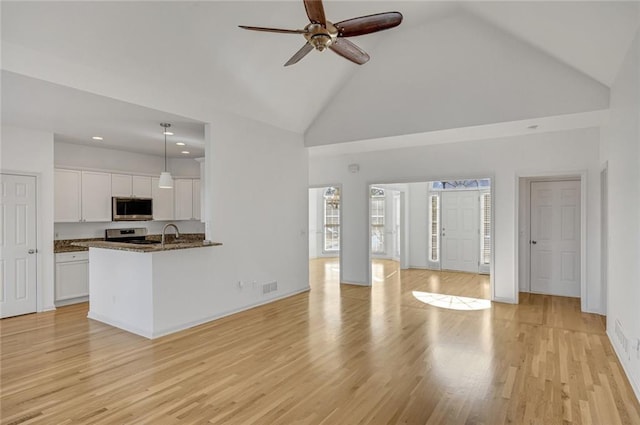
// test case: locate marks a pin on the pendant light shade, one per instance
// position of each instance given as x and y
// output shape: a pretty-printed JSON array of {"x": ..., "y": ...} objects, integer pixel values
[{"x": 166, "y": 181}]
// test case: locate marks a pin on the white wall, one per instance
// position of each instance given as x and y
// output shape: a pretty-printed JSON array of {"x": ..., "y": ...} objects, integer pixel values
[
  {"x": 620, "y": 149},
  {"x": 465, "y": 73},
  {"x": 28, "y": 151},
  {"x": 98, "y": 158},
  {"x": 418, "y": 222},
  {"x": 315, "y": 223},
  {"x": 502, "y": 159}
]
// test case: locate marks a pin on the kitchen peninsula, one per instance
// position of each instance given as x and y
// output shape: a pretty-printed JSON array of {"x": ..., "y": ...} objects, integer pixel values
[{"x": 150, "y": 290}]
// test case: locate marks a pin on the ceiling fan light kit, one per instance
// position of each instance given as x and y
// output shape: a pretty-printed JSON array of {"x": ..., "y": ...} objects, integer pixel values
[{"x": 322, "y": 34}]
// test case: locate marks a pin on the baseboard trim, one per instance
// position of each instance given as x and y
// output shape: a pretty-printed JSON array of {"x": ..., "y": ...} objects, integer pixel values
[
  {"x": 349, "y": 282},
  {"x": 634, "y": 385},
  {"x": 191, "y": 324},
  {"x": 504, "y": 300},
  {"x": 118, "y": 324}
]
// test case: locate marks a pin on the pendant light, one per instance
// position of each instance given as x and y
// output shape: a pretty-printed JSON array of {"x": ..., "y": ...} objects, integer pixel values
[{"x": 166, "y": 181}]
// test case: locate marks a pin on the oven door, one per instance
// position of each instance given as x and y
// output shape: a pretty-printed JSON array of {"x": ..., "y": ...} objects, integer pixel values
[{"x": 132, "y": 209}]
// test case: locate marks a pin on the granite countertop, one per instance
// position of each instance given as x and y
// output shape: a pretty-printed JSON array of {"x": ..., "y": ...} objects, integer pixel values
[
  {"x": 147, "y": 248},
  {"x": 194, "y": 240}
]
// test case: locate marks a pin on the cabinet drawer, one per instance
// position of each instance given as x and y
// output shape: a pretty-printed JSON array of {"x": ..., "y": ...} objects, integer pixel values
[{"x": 65, "y": 257}]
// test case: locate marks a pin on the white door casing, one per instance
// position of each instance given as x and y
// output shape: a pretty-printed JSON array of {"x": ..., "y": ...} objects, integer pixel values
[
  {"x": 555, "y": 238},
  {"x": 460, "y": 228},
  {"x": 18, "y": 260}
]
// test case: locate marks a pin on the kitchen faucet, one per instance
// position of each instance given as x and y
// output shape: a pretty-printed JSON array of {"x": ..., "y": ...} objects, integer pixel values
[{"x": 164, "y": 231}]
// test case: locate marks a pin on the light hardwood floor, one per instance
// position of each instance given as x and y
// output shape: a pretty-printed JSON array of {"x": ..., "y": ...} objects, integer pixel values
[{"x": 339, "y": 354}]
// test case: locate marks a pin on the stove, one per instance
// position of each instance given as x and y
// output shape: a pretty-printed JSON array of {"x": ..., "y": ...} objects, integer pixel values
[{"x": 134, "y": 235}]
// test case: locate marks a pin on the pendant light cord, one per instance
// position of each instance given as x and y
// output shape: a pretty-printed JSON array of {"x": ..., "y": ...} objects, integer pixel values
[{"x": 165, "y": 149}]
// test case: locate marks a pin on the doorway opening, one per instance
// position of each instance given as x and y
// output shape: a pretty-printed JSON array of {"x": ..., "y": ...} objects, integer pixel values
[
  {"x": 325, "y": 230},
  {"x": 436, "y": 236},
  {"x": 552, "y": 233}
]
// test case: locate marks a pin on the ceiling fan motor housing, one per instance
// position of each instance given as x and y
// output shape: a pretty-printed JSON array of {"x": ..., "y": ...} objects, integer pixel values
[{"x": 320, "y": 36}]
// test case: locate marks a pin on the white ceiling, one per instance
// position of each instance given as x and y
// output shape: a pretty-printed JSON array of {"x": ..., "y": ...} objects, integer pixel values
[
  {"x": 76, "y": 116},
  {"x": 197, "y": 47}
]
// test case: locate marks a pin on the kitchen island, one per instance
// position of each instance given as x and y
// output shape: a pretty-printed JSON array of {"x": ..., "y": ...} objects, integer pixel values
[{"x": 150, "y": 290}]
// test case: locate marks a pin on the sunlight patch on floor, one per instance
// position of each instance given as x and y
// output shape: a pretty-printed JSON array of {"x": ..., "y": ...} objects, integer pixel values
[{"x": 452, "y": 302}]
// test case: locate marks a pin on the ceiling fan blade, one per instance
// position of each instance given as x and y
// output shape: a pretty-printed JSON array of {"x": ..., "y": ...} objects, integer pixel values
[
  {"x": 273, "y": 30},
  {"x": 299, "y": 54},
  {"x": 350, "y": 51},
  {"x": 368, "y": 24},
  {"x": 315, "y": 11}
]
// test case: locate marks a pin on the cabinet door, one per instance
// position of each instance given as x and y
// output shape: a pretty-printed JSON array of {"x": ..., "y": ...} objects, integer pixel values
[
  {"x": 67, "y": 196},
  {"x": 72, "y": 280},
  {"x": 162, "y": 201},
  {"x": 197, "y": 200},
  {"x": 96, "y": 196},
  {"x": 141, "y": 187},
  {"x": 120, "y": 185},
  {"x": 184, "y": 198}
]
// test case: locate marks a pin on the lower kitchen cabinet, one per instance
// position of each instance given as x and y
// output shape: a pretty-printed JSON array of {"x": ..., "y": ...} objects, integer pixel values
[{"x": 72, "y": 277}]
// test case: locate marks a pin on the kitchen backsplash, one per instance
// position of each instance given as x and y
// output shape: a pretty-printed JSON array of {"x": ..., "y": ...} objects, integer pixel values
[{"x": 96, "y": 230}]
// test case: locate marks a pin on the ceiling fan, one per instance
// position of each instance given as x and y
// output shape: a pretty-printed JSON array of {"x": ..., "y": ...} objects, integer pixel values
[{"x": 322, "y": 34}]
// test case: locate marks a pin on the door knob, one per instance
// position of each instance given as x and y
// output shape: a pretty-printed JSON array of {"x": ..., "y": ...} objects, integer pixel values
[
  {"x": 534, "y": 242},
  {"x": 32, "y": 251}
]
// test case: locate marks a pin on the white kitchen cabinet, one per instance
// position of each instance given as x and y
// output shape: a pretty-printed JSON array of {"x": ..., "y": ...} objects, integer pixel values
[
  {"x": 183, "y": 198},
  {"x": 197, "y": 200},
  {"x": 141, "y": 187},
  {"x": 72, "y": 277},
  {"x": 162, "y": 201},
  {"x": 67, "y": 193},
  {"x": 121, "y": 185},
  {"x": 96, "y": 196}
]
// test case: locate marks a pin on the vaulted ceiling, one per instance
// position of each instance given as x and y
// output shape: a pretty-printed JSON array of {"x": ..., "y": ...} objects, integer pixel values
[{"x": 197, "y": 48}]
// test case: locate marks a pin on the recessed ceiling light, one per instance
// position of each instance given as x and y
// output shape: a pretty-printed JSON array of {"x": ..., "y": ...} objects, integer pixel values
[
  {"x": 533, "y": 127},
  {"x": 167, "y": 133},
  {"x": 180, "y": 143},
  {"x": 185, "y": 152},
  {"x": 97, "y": 138}
]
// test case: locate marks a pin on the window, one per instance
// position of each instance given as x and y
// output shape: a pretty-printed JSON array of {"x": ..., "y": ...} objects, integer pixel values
[
  {"x": 377, "y": 220},
  {"x": 331, "y": 233},
  {"x": 485, "y": 228},
  {"x": 434, "y": 227}
]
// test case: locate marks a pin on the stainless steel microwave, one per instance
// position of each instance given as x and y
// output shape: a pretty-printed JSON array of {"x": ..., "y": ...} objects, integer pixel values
[{"x": 131, "y": 209}]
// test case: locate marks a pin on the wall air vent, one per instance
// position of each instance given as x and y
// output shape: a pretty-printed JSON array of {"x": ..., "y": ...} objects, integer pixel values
[{"x": 269, "y": 287}]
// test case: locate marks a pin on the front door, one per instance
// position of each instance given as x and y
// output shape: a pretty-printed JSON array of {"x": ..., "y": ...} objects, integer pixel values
[
  {"x": 555, "y": 238},
  {"x": 18, "y": 245},
  {"x": 460, "y": 226}
]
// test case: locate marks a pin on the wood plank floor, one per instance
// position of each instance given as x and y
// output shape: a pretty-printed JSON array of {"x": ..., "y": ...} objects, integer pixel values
[{"x": 339, "y": 354}]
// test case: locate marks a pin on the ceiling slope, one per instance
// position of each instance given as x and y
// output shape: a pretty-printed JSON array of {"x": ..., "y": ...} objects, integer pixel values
[{"x": 460, "y": 72}]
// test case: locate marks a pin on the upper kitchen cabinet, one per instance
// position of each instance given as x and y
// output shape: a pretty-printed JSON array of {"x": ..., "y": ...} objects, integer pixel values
[
  {"x": 67, "y": 185},
  {"x": 187, "y": 198},
  {"x": 141, "y": 187},
  {"x": 162, "y": 201},
  {"x": 126, "y": 186},
  {"x": 121, "y": 185},
  {"x": 82, "y": 196},
  {"x": 96, "y": 196}
]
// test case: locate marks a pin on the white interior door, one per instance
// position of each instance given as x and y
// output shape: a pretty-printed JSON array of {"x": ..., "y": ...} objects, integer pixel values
[
  {"x": 555, "y": 238},
  {"x": 18, "y": 245},
  {"x": 460, "y": 221}
]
